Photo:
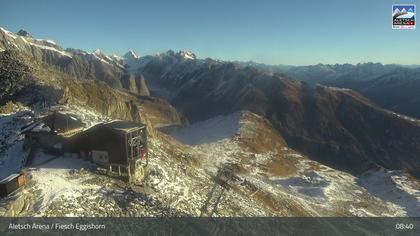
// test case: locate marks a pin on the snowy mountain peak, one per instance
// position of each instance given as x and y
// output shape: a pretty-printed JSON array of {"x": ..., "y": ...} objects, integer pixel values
[
  {"x": 111, "y": 60},
  {"x": 403, "y": 10},
  {"x": 187, "y": 55},
  {"x": 4, "y": 30},
  {"x": 397, "y": 10},
  {"x": 116, "y": 57},
  {"x": 97, "y": 51},
  {"x": 131, "y": 55},
  {"x": 24, "y": 33}
]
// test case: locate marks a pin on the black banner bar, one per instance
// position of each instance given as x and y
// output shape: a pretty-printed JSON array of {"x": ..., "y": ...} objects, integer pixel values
[{"x": 210, "y": 226}]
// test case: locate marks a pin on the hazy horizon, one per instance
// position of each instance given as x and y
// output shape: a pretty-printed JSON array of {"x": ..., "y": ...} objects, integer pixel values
[{"x": 268, "y": 32}]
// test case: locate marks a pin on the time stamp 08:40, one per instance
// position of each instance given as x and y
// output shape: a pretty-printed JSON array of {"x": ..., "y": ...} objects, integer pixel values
[{"x": 404, "y": 226}]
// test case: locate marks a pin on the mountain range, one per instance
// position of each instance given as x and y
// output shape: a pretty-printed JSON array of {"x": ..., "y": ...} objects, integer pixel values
[
  {"x": 338, "y": 127},
  {"x": 347, "y": 119}
]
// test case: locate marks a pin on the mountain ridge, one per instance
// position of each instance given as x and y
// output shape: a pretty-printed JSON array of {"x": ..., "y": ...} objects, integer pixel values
[
  {"x": 313, "y": 119},
  {"x": 287, "y": 147}
]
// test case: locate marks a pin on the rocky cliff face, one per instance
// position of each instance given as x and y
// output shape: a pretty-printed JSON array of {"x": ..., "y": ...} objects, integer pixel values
[
  {"x": 14, "y": 74},
  {"x": 119, "y": 105},
  {"x": 37, "y": 84},
  {"x": 77, "y": 63},
  {"x": 135, "y": 84},
  {"x": 19, "y": 81},
  {"x": 143, "y": 89}
]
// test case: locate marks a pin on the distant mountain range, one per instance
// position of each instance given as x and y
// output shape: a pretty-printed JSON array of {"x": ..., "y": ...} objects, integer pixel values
[
  {"x": 391, "y": 86},
  {"x": 335, "y": 126}
]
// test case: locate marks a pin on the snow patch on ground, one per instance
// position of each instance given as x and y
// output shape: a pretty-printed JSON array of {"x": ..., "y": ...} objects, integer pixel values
[
  {"x": 188, "y": 190},
  {"x": 338, "y": 89},
  {"x": 394, "y": 187},
  {"x": 310, "y": 184},
  {"x": 411, "y": 119},
  {"x": 12, "y": 155},
  {"x": 52, "y": 177},
  {"x": 360, "y": 212},
  {"x": 209, "y": 131}
]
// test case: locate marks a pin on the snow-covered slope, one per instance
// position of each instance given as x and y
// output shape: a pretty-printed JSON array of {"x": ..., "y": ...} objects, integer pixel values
[
  {"x": 69, "y": 186},
  {"x": 268, "y": 178},
  {"x": 395, "y": 187},
  {"x": 131, "y": 55},
  {"x": 213, "y": 130},
  {"x": 309, "y": 188}
]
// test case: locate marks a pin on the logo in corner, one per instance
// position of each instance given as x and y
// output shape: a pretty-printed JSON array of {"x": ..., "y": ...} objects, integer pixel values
[{"x": 403, "y": 16}]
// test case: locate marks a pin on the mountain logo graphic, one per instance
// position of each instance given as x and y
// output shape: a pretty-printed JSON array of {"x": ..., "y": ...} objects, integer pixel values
[{"x": 403, "y": 16}]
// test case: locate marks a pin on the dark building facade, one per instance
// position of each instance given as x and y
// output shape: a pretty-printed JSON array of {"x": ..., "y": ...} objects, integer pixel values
[
  {"x": 53, "y": 132},
  {"x": 118, "y": 146},
  {"x": 12, "y": 183}
]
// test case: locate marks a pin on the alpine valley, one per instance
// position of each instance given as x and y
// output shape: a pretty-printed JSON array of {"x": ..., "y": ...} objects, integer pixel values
[{"x": 322, "y": 140}]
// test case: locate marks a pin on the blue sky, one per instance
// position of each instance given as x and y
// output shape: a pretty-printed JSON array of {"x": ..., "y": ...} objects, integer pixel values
[{"x": 269, "y": 31}]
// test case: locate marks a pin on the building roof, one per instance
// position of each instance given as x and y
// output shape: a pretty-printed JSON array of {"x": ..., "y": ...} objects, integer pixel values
[
  {"x": 29, "y": 127},
  {"x": 62, "y": 123},
  {"x": 9, "y": 178},
  {"x": 125, "y": 126}
]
